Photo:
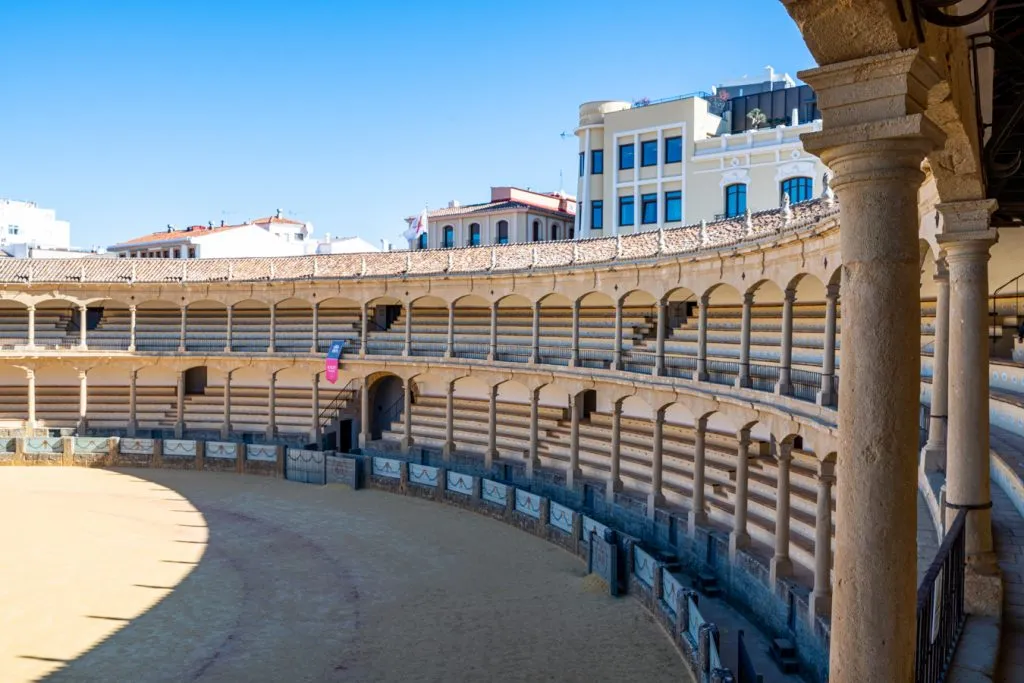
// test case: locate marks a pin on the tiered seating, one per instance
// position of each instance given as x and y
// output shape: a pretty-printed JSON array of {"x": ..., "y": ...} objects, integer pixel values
[
  {"x": 250, "y": 330},
  {"x": 13, "y": 405},
  {"x": 107, "y": 407},
  {"x": 13, "y": 327},
  {"x": 53, "y": 327},
  {"x": 293, "y": 330},
  {"x": 206, "y": 329},
  {"x": 156, "y": 329},
  {"x": 112, "y": 332},
  {"x": 152, "y": 405},
  {"x": 336, "y": 324}
]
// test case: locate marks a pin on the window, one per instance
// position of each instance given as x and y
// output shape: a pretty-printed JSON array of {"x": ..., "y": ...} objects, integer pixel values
[
  {"x": 175, "y": 253},
  {"x": 536, "y": 231},
  {"x": 626, "y": 210},
  {"x": 625, "y": 157},
  {"x": 649, "y": 153},
  {"x": 12, "y": 229},
  {"x": 581, "y": 164},
  {"x": 597, "y": 162},
  {"x": 596, "y": 215},
  {"x": 673, "y": 150},
  {"x": 474, "y": 235},
  {"x": 191, "y": 252},
  {"x": 422, "y": 240},
  {"x": 798, "y": 189},
  {"x": 673, "y": 206},
  {"x": 449, "y": 237},
  {"x": 735, "y": 200},
  {"x": 554, "y": 231},
  {"x": 649, "y": 208},
  {"x": 502, "y": 232}
]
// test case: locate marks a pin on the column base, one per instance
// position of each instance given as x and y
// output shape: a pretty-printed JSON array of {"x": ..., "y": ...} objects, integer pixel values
[
  {"x": 738, "y": 540},
  {"x": 448, "y": 449},
  {"x": 933, "y": 458},
  {"x": 225, "y": 434},
  {"x": 694, "y": 520},
  {"x": 406, "y": 444},
  {"x": 178, "y": 432},
  {"x": 744, "y": 382},
  {"x": 131, "y": 429},
  {"x": 826, "y": 399},
  {"x": 781, "y": 567},
  {"x": 654, "y": 501},
  {"x": 572, "y": 476},
  {"x": 271, "y": 434},
  {"x": 448, "y": 354},
  {"x": 983, "y": 592},
  {"x": 181, "y": 349},
  {"x": 490, "y": 455},
  {"x": 612, "y": 486},
  {"x": 131, "y": 348},
  {"x": 658, "y": 371},
  {"x": 784, "y": 389},
  {"x": 819, "y": 605},
  {"x": 364, "y": 440},
  {"x": 701, "y": 377},
  {"x": 617, "y": 363}
]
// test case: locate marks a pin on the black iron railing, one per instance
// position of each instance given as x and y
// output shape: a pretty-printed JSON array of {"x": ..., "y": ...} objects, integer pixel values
[
  {"x": 940, "y": 606},
  {"x": 340, "y": 401},
  {"x": 1015, "y": 283}
]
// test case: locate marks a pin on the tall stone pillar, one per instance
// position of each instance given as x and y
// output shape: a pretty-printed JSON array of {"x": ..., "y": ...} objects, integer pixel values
[
  {"x": 785, "y": 384},
  {"x": 827, "y": 394},
  {"x": 31, "y": 375},
  {"x": 83, "y": 312},
  {"x": 743, "y": 381},
  {"x": 179, "y": 422},
  {"x": 181, "y": 331},
  {"x": 574, "y": 441},
  {"x": 782, "y": 565},
  {"x": 701, "y": 375},
  {"x": 697, "y": 514},
  {"x": 449, "y": 349},
  {"x": 535, "y": 353},
  {"x": 614, "y": 477},
  {"x": 229, "y": 331},
  {"x": 492, "y": 351},
  {"x": 574, "y": 359},
  {"x": 225, "y": 428},
  {"x": 738, "y": 537},
  {"x": 364, "y": 326},
  {"x": 933, "y": 455},
  {"x": 365, "y": 418},
  {"x": 659, "y": 357},
  {"x": 533, "y": 460},
  {"x": 617, "y": 354},
  {"x": 492, "y": 428},
  {"x": 874, "y": 139},
  {"x": 272, "y": 343},
  {"x": 315, "y": 346},
  {"x": 966, "y": 240},
  {"x": 272, "y": 407},
  {"x": 406, "y": 443},
  {"x": 407, "y": 349},
  {"x": 821, "y": 597},
  {"x": 132, "y": 311},
  {"x": 133, "y": 422},
  {"x": 83, "y": 402},
  {"x": 31, "y": 325},
  {"x": 656, "y": 496},
  {"x": 449, "y": 422}
]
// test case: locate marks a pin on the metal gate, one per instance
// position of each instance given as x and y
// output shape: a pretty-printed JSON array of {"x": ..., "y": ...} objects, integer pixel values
[{"x": 307, "y": 466}]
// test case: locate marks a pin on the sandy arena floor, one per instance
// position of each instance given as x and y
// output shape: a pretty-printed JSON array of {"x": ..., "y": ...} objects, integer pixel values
[{"x": 179, "y": 576}]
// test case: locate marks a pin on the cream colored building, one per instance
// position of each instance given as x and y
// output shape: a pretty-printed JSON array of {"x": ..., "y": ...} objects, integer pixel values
[{"x": 656, "y": 165}]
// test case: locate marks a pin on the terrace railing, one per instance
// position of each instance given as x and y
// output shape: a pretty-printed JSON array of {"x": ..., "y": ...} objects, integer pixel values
[{"x": 940, "y": 606}]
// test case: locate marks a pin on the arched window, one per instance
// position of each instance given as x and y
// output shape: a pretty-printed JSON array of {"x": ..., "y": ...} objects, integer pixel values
[
  {"x": 572, "y": 231},
  {"x": 449, "y": 237},
  {"x": 422, "y": 241},
  {"x": 735, "y": 200},
  {"x": 536, "y": 231},
  {"x": 502, "y": 232},
  {"x": 800, "y": 189},
  {"x": 554, "y": 231},
  {"x": 474, "y": 235}
]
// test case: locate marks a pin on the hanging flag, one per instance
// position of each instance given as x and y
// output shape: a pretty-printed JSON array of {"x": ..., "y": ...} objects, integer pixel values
[
  {"x": 417, "y": 226},
  {"x": 331, "y": 369}
]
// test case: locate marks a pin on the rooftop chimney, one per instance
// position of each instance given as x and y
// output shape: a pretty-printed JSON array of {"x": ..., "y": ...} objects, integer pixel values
[
  {"x": 170, "y": 228},
  {"x": 209, "y": 224},
  {"x": 222, "y": 222},
  {"x": 454, "y": 204},
  {"x": 278, "y": 213}
]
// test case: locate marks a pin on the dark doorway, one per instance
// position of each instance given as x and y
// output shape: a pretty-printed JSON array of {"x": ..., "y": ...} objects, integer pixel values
[{"x": 195, "y": 381}]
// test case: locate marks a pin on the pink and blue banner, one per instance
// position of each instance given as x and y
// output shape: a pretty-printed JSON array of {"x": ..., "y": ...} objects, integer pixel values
[{"x": 331, "y": 368}]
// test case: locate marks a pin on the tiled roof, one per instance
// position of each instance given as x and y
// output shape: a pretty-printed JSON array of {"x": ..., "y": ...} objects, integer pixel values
[
  {"x": 511, "y": 257},
  {"x": 276, "y": 219},
  {"x": 490, "y": 207},
  {"x": 172, "y": 235}
]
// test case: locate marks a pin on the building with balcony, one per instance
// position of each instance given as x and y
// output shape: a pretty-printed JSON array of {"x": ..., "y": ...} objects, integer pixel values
[
  {"x": 512, "y": 215},
  {"x": 652, "y": 165}
]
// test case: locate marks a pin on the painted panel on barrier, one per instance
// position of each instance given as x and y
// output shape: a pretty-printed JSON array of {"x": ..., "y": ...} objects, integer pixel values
[
  {"x": 643, "y": 566},
  {"x": 560, "y": 517},
  {"x": 306, "y": 466},
  {"x": 134, "y": 446},
  {"x": 261, "y": 452},
  {"x": 528, "y": 504},
  {"x": 460, "y": 483},
  {"x": 423, "y": 475},
  {"x": 494, "y": 492},
  {"x": 671, "y": 589},
  {"x": 342, "y": 470},
  {"x": 592, "y": 525},
  {"x": 179, "y": 448},
  {"x": 91, "y": 444},
  {"x": 387, "y": 467},
  {"x": 220, "y": 449},
  {"x": 43, "y": 444}
]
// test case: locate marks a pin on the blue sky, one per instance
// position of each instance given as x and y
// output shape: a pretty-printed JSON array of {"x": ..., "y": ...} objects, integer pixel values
[{"x": 127, "y": 116}]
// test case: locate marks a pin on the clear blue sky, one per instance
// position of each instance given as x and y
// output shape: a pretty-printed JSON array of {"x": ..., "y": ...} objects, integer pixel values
[{"x": 126, "y": 116}]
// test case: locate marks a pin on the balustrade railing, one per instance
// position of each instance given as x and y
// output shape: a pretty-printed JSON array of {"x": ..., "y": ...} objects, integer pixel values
[{"x": 940, "y": 606}]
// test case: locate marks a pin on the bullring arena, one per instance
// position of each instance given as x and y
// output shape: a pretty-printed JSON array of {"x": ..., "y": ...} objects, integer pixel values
[{"x": 813, "y": 413}]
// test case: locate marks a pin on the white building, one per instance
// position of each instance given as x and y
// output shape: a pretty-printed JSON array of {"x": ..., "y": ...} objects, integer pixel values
[{"x": 28, "y": 231}]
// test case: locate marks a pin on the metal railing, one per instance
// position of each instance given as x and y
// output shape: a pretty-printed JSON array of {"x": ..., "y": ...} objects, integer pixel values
[
  {"x": 940, "y": 606},
  {"x": 1016, "y": 299},
  {"x": 339, "y": 402}
]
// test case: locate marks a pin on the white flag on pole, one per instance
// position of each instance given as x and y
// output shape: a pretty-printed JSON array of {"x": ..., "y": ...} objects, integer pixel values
[{"x": 417, "y": 226}]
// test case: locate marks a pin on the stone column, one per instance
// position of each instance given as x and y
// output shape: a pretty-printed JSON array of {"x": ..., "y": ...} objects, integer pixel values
[
  {"x": 827, "y": 395},
  {"x": 702, "y": 342},
  {"x": 966, "y": 240},
  {"x": 314, "y": 417},
  {"x": 574, "y": 441},
  {"x": 272, "y": 343},
  {"x": 181, "y": 332},
  {"x": 363, "y": 327},
  {"x": 874, "y": 139},
  {"x": 697, "y": 514},
  {"x": 614, "y": 477},
  {"x": 739, "y": 538},
  {"x": 449, "y": 421},
  {"x": 83, "y": 312},
  {"x": 179, "y": 421},
  {"x": 31, "y": 325},
  {"x": 225, "y": 428},
  {"x": 365, "y": 418},
  {"x": 617, "y": 357},
  {"x": 821, "y": 597},
  {"x": 535, "y": 354},
  {"x": 406, "y": 443},
  {"x": 492, "y": 351},
  {"x": 272, "y": 407},
  {"x": 315, "y": 347},
  {"x": 31, "y": 375},
  {"x": 743, "y": 381},
  {"x": 933, "y": 455},
  {"x": 133, "y": 379},
  {"x": 83, "y": 402},
  {"x": 228, "y": 330},
  {"x": 131, "y": 328},
  {"x": 449, "y": 350},
  {"x": 659, "y": 349},
  {"x": 656, "y": 497},
  {"x": 492, "y": 428},
  {"x": 782, "y": 565},
  {"x": 407, "y": 349},
  {"x": 784, "y": 386},
  {"x": 574, "y": 359},
  {"x": 533, "y": 459}
]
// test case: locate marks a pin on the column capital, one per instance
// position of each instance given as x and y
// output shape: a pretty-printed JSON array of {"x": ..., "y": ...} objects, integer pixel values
[
  {"x": 966, "y": 227},
  {"x": 82, "y": 308},
  {"x": 617, "y": 407},
  {"x": 82, "y": 374},
  {"x": 784, "y": 452},
  {"x": 832, "y": 291},
  {"x": 748, "y": 299},
  {"x": 701, "y": 424},
  {"x": 31, "y": 308},
  {"x": 941, "y": 276},
  {"x": 827, "y": 471},
  {"x": 789, "y": 295}
]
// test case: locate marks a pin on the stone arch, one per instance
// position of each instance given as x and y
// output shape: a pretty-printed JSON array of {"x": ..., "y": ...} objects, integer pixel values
[{"x": 206, "y": 327}]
